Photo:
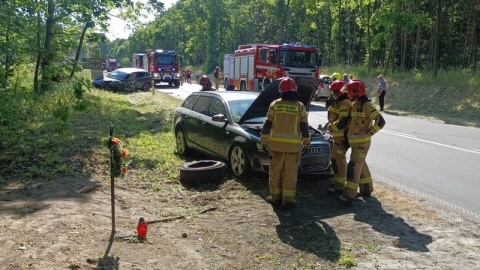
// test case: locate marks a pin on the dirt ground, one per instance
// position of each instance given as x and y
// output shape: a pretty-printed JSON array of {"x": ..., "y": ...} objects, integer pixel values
[{"x": 66, "y": 224}]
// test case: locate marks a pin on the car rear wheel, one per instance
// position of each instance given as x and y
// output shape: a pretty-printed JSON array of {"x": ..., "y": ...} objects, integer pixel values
[
  {"x": 181, "y": 143},
  {"x": 239, "y": 160},
  {"x": 146, "y": 87}
]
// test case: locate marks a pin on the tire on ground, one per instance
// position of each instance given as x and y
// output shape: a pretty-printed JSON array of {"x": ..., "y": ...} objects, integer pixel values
[{"x": 202, "y": 171}]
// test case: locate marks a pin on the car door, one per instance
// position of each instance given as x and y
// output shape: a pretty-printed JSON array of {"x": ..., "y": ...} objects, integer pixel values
[
  {"x": 215, "y": 133},
  {"x": 196, "y": 123},
  {"x": 143, "y": 77},
  {"x": 130, "y": 82}
]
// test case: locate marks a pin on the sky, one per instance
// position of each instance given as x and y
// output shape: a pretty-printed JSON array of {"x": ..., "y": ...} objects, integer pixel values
[{"x": 118, "y": 28}]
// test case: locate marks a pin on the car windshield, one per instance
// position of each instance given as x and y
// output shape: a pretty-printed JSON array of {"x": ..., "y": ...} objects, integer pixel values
[
  {"x": 299, "y": 59},
  {"x": 118, "y": 75},
  {"x": 239, "y": 107},
  {"x": 162, "y": 59}
]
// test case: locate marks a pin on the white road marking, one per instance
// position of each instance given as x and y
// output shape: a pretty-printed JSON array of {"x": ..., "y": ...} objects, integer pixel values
[
  {"x": 427, "y": 196},
  {"x": 425, "y": 141}
]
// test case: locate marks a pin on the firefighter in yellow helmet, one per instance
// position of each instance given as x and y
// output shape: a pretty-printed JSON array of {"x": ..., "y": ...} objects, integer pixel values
[
  {"x": 336, "y": 76},
  {"x": 336, "y": 112},
  {"x": 284, "y": 131},
  {"x": 364, "y": 122}
]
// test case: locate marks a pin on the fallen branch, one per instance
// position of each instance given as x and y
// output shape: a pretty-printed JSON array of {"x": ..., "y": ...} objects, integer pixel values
[
  {"x": 208, "y": 210},
  {"x": 164, "y": 220}
]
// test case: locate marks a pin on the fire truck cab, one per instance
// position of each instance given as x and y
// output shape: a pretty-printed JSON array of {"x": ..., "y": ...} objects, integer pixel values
[
  {"x": 163, "y": 65},
  {"x": 252, "y": 67},
  {"x": 111, "y": 64}
]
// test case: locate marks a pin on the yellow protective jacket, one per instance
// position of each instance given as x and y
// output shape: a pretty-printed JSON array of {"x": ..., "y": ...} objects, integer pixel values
[
  {"x": 364, "y": 116},
  {"x": 289, "y": 123},
  {"x": 341, "y": 109}
]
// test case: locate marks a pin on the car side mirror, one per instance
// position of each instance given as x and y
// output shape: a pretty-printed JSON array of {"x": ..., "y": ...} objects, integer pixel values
[{"x": 219, "y": 118}]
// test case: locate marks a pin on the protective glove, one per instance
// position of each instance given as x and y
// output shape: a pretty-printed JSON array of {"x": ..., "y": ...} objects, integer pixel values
[
  {"x": 264, "y": 139},
  {"x": 306, "y": 141}
]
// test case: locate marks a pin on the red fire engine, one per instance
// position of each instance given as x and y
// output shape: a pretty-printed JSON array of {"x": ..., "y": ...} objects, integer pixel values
[
  {"x": 111, "y": 64},
  {"x": 252, "y": 67},
  {"x": 162, "y": 64}
]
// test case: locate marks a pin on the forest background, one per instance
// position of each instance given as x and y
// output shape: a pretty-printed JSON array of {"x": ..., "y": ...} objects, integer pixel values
[{"x": 421, "y": 37}]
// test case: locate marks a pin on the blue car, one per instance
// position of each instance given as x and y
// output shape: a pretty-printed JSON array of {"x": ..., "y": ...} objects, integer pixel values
[{"x": 226, "y": 125}]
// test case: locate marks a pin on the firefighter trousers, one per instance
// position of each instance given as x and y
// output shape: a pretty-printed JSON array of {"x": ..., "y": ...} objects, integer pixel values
[
  {"x": 283, "y": 176},
  {"x": 339, "y": 162},
  {"x": 217, "y": 83},
  {"x": 358, "y": 173}
]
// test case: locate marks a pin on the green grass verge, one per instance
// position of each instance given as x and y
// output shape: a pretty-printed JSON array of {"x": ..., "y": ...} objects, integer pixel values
[{"x": 36, "y": 144}]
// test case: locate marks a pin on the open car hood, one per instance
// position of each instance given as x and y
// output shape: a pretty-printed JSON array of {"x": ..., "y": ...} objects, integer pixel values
[{"x": 306, "y": 88}]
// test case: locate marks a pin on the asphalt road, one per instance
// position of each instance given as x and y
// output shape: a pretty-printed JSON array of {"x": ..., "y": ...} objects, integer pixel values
[{"x": 431, "y": 160}]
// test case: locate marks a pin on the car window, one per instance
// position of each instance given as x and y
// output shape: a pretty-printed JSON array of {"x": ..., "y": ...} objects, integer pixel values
[
  {"x": 216, "y": 107},
  {"x": 189, "y": 101},
  {"x": 201, "y": 106},
  {"x": 140, "y": 74},
  {"x": 117, "y": 74}
]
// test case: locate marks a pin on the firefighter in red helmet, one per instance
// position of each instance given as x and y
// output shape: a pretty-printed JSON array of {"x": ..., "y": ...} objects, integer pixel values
[
  {"x": 284, "y": 132},
  {"x": 364, "y": 122},
  {"x": 205, "y": 83},
  {"x": 336, "y": 112}
]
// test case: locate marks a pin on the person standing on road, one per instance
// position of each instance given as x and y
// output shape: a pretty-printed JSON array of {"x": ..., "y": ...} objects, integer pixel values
[
  {"x": 284, "y": 131},
  {"x": 184, "y": 75},
  {"x": 181, "y": 77},
  {"x": 218, "y": 77},
  {"x": 381, "y": 90},
  {"x": 189, "y": 76},
  {"x": 340, "y": 109},
  {"x": 197, "y": 75},
  {"x": 364, "y": 122}
]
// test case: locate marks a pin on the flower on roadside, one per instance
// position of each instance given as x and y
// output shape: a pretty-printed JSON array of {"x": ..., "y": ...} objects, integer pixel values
[{"x": 119, "y": 166}]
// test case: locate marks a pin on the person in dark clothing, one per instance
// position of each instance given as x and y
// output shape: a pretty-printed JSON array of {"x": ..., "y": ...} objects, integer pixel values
[{"x": 381, "y": 90}]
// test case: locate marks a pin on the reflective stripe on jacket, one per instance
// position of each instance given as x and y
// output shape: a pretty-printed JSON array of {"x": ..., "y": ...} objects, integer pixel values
[
  {"x": 364, "y": 117},
  {"x": 344, "y": 108},
  {"x": 285, "y": 133}
]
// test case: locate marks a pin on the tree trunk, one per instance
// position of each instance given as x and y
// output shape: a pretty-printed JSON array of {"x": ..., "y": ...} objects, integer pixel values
[
  {"x": 47, "y": 50},
  {"x": 417, "y": 47},
  {"x": 38, "y": 52},
  {"x": 79, "y": 48},
  {"x": 437, "y": 39}
]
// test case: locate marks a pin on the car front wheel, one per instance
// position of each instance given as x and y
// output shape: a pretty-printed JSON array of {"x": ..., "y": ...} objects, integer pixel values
[
  {"x": 239, "y": 160},
  {"x": 147, "y": 86},
  {"x": 181, "y": 143}
]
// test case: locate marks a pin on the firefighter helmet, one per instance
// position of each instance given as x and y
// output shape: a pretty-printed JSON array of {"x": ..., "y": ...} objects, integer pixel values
[
  {"x": 287, "y": 84},
  {"x": 356, "y": 89},
  {"x": 336, "y": 76},
  {"x": 336, "y": 86},
  {"x": 217, "y": 68}
]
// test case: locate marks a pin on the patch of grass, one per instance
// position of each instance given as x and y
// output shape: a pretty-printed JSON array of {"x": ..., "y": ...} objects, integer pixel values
[
  {"x": 348, "y": 261},
  {"x": 35, "y": 144},
  {"x": 275, "y": 259}
]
